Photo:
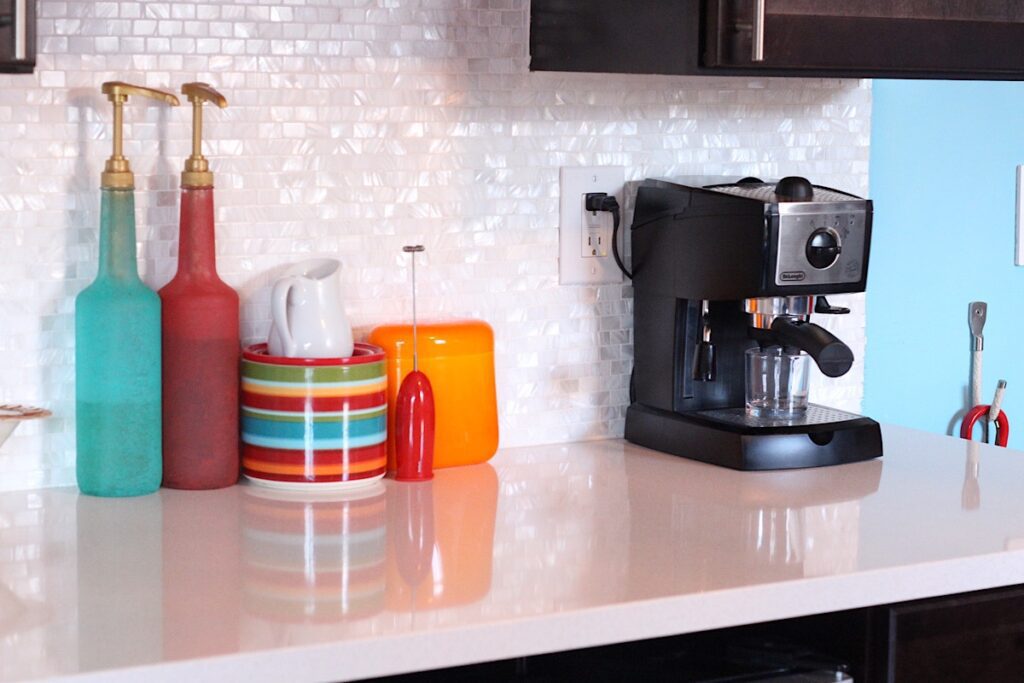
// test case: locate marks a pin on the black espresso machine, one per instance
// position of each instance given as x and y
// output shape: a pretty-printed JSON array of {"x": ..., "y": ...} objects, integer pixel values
[{"x": 725, "y": 268}]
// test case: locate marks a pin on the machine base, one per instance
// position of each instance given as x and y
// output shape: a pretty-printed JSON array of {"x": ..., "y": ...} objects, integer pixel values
[{"x": 741, "y": 446}]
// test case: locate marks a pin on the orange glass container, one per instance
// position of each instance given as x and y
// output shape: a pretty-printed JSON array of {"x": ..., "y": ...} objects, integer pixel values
[{"x": 458, "y": 358}]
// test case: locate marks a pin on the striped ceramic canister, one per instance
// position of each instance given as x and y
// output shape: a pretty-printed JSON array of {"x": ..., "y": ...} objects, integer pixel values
[{"x": 319, "y": 421}]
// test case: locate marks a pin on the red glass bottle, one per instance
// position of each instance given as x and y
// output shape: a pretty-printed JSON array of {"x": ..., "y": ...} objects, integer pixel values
[{"x": 200, "y": 338}]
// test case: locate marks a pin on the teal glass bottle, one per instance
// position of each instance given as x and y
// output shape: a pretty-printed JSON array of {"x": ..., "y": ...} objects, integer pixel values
[
  {"x": 117, "y": 343},
  {"x": 117, "y": 365}
]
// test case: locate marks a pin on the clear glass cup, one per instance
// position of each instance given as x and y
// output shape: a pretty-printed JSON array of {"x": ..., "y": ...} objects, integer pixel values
[{"x": 776, "y": 382}]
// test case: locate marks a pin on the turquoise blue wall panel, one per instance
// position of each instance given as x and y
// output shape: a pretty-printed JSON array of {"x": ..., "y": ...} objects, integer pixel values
[{"x": 943, "y": 169}]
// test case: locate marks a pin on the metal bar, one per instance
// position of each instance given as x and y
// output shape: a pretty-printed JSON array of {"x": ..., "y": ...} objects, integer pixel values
[
  {"x": 20, "y": 30},
  {"x": 757, "y": 42}
]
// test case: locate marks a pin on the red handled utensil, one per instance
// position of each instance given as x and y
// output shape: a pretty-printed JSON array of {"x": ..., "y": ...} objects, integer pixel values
[
  {"x": 989, "y": 413},
  {"x": 414, "y": 410}
]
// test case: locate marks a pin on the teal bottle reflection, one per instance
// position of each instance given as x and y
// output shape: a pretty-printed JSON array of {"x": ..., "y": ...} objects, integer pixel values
[
  {"x": 117, "y": 342},
  {"x": 117, "y": 361}
]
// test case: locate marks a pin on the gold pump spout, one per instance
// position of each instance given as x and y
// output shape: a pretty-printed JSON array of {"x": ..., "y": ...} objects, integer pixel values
[
  {"x": 117, "y": 173},
  {"x": 197, "y": 168}
]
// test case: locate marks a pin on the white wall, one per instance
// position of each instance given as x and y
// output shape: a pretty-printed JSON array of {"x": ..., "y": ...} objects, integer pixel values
[{"x": 354, "y": 128}]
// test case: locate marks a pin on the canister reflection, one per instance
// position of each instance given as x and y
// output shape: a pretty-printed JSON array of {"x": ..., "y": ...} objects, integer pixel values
[
  {"x": 354, "y": 557},
  {"x": 313, "y": 560}
]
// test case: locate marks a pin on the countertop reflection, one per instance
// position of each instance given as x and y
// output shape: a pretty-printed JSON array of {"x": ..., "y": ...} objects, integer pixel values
[{"x": 545, "y": 548}]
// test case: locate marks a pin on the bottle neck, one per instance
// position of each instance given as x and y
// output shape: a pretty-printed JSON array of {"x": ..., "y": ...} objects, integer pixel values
[
  {"x": 197, "y": 250},
  {"x": 117, "y": 234}
]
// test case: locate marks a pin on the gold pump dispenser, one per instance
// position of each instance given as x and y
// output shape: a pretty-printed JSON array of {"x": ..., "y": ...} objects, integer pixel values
[
  {"x": 117, "y": 174},
  {"x": 197, "y": 168}
]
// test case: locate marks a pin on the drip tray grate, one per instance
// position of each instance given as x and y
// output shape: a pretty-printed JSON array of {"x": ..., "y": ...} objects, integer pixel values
[{"x": 815, "y": 415}]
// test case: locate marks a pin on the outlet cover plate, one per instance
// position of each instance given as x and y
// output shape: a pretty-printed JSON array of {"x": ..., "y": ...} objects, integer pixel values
[{"x": 574, "y": 183}]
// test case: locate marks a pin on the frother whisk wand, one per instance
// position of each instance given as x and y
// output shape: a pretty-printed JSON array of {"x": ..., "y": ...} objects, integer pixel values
[
  {"x": 415, "y": 346},
  {"x": 414, "y": 408}
]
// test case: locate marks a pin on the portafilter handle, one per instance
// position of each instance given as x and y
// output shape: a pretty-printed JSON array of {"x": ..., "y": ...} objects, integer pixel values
[{"x": 833, "y": 357}]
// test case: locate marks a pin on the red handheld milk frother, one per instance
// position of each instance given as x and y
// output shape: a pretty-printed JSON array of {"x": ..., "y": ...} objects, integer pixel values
[{"x": 414, "y": 410}]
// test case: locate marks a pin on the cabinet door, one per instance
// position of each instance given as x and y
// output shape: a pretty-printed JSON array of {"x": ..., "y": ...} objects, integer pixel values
[
  {"x": 17, "y": 36},
  {"x": 612, "y": 36},
  {"x": 927, "y": 38},
  {"x": 964, "y": 638}
]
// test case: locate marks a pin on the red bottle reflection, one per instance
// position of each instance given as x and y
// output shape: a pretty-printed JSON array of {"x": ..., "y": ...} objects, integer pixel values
[{"x": 200, "y": 358}]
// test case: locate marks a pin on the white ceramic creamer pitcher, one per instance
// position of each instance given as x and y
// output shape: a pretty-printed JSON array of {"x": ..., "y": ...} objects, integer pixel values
[{"x": 309, "y": 319}]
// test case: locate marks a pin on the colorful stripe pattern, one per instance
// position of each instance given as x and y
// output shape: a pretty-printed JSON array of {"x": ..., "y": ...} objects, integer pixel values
[
  {"x": 314, "y": 424},
  {"x": 314, "y": 562}
]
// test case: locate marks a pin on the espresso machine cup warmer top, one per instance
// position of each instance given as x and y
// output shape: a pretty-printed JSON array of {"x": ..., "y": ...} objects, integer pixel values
[{"x": 723, "y": 269}]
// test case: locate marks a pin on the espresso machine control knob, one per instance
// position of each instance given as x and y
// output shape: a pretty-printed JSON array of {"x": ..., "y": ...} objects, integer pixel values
[
  {"x": 794, "y": 189},
  {"x": 823, "y": 248}
]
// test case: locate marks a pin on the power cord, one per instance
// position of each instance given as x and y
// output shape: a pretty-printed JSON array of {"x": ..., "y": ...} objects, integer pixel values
[{"x": 602, "y": 201}]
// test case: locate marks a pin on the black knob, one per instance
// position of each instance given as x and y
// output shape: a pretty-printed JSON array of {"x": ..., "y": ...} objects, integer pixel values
[
  {"x": 823, "y": 248},
  {"x": 793, "y": 188}
]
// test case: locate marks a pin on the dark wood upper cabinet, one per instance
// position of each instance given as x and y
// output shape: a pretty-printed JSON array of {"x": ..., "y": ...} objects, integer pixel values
[
  {"x": 967, "y": 39},
  {"x": 17, "y": 36}
]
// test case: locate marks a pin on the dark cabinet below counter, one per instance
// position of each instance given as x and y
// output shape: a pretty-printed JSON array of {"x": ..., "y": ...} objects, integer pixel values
[
  {"x": 973, "y": 637},
  {"x": 17, "y": 36},
  {"x": 967, "y": 638},
  {"x": 959, "y": 39}
]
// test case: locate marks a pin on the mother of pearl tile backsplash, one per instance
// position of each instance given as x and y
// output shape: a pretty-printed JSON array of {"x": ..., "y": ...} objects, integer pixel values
[{"x": 356, "y": 127}]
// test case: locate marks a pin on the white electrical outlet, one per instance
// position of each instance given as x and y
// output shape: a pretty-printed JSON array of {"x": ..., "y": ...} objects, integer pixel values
[
  {"x": 1018, "y": 259},
  {"x": 597, "y": 232},
  {"x": 584, "y": 237}
]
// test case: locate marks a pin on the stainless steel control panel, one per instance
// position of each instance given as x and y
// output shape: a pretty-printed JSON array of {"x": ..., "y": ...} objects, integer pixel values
[{"x": 820, "y": 243}]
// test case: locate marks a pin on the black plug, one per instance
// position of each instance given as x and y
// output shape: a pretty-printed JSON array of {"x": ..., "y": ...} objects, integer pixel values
[{"x": 600, "y": 201}]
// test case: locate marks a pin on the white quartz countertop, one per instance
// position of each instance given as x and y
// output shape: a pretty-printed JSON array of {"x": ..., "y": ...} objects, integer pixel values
[{"x": 543, "y": 549}]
